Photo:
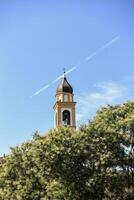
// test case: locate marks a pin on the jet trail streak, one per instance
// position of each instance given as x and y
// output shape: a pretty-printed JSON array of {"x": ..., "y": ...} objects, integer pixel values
[
  {"x": 48, "y": 85},
  {"x": 107, "y": 44},
  {"x": 111, "y": 42},
  {"x": 89, "y": 57}
]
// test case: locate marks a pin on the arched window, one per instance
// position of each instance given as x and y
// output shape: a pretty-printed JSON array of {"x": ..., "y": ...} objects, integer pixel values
[{"x": 66, "y": 117}]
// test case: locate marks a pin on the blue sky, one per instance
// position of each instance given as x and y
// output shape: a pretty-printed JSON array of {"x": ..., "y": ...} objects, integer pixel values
[{"x": 39, "y": 38}]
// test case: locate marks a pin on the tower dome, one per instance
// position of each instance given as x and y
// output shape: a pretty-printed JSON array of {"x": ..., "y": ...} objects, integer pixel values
[{"x": 64, "y": 86}]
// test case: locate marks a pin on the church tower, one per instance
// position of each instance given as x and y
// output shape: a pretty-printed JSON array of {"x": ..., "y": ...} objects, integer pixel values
[{"x": 64, "y": 107}]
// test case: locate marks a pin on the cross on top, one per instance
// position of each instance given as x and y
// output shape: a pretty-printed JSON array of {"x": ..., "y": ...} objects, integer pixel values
[{"x": 64, "y": 71}]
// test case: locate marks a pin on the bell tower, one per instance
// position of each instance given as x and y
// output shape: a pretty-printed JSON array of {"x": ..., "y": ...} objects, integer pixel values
[{"x": 64, "y": 107}]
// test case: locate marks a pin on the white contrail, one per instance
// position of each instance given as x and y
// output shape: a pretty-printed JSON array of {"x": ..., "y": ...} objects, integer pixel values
[
  {"x": 89, "y": 57},
  {"x": 111, "y": 42},
  {"x": 107, "y": 44},
  {"x": 61, "y": 76},
  {"x": 57, "y": 79},
  {"x": 41, "y": 90}
]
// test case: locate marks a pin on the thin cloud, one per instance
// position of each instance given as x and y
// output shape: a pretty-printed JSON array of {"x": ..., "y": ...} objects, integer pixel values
[
  {"x": 106, "y": 93},
  {"x": 129, "y": 78}
]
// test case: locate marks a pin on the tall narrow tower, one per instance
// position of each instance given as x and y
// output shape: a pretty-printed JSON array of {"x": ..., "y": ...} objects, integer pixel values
[{"x": 64, "y": 107}]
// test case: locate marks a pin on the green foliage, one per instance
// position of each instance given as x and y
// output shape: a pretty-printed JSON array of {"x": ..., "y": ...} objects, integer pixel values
[{"x": 95, "y": 162}]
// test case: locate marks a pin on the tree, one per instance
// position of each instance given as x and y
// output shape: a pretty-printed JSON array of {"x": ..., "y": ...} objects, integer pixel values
[
  {"x": 95, "y": 162},
  {"x": 117, "y": 125}
]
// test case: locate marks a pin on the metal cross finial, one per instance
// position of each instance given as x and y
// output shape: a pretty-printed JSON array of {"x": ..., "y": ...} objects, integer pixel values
[{"x": 64, "y": 71}]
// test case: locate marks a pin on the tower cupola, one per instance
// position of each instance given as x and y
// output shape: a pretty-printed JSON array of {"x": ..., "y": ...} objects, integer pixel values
[{"x": 64, "y": 86}]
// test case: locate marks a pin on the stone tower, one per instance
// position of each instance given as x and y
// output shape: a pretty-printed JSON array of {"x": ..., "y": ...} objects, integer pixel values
[{"x": 64, "y": 107}]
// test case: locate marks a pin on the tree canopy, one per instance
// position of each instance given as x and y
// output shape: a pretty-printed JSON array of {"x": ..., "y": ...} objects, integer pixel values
[{"x": 95, "y": 162}]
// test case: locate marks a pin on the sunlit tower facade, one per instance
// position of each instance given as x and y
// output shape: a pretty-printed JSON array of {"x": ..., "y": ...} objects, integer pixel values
[{"x": 65, "y": 106}]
